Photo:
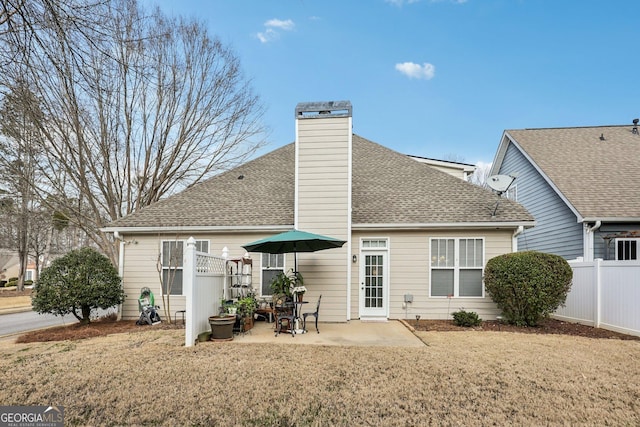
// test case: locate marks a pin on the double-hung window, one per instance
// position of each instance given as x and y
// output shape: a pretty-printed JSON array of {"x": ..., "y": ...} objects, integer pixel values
[
  {"x": 272, "y": 265},
  {"x": 627, "y": 249},
  {"x": 172, "y": 262},
  {"x": 457, "y": 267}
]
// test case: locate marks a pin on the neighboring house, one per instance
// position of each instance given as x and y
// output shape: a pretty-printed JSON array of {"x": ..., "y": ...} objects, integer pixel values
[
  {"x": 10, "y": 266},
  {"x": 410, "y": 229},
  {"x": 457, "y": 169},
  {"x": 582, "y": 186}
]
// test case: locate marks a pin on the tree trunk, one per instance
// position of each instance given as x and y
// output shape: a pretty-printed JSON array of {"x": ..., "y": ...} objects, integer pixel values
[{"x": 86, "y": 315}]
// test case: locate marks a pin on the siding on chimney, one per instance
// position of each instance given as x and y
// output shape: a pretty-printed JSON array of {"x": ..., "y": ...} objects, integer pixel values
[{"x": 323, "y": 206}]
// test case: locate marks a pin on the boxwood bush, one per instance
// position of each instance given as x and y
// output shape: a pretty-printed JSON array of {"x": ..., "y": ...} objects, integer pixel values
[
  {"x": 466, "y": 318},
  {"x": 528, "y": 286}
]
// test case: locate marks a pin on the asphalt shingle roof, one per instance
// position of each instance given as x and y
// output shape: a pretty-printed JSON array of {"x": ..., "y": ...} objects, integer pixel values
[
  {"x": 599, "y": 177},
  {"x": 388, "y": 188}
]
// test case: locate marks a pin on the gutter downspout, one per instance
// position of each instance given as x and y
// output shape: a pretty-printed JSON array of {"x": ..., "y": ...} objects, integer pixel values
[
  {"x": 589, "y": 255},
  {"x": 514, "y": 239},
  {"x": 117, "y": 236}
]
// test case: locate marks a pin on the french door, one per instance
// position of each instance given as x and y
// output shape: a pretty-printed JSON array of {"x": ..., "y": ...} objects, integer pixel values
[{"x": 373, "y": 283}]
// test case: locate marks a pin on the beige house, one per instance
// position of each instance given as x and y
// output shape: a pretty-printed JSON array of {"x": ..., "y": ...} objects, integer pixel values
[
  {"x": 417, "y": 238},
  {"x": 459, "y": 169},
  {"x": 10, "y": 267}
]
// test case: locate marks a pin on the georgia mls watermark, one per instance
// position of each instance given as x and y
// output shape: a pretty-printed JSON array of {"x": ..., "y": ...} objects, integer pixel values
[{"x": 31, "y": 416}]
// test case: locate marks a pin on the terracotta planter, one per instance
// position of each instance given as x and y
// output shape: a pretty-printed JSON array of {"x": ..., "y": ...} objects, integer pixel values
[{"x": 222, "y": 327}]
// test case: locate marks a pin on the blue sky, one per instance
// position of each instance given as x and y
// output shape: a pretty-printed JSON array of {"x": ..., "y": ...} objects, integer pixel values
[{"x": 435, "y": 78}]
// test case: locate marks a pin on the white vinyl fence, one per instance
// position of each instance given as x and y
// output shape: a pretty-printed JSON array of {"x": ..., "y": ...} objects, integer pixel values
[
  {"x": 604, "y": 294},
  {"x": 204, "y": 278}
]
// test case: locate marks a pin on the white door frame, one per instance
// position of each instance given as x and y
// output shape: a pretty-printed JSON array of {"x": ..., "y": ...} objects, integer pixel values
[{"x": 375, "y": 312}]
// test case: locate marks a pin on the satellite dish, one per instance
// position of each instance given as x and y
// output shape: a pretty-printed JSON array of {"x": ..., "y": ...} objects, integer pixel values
[{"x": 500, "y": 183}]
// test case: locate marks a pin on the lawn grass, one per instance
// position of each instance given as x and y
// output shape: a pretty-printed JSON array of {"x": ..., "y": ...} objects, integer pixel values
[
  {"x": 14, "y": 302},
  {"x": 459, "y": 378}
]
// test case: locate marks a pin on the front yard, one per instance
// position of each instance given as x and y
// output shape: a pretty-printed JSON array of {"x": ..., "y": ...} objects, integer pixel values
[{"x": 459, "y": 378}]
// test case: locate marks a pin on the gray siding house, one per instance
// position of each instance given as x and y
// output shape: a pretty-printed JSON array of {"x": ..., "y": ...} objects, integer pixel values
[
  {"x": 409, "y": 228},
  {"x": 581, "y": 185}
]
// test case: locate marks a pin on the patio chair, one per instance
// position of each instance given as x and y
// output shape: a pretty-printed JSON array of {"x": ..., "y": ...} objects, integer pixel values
[
  {"x": 284, "y": 313},
  {"x": 314, "y": 314}
]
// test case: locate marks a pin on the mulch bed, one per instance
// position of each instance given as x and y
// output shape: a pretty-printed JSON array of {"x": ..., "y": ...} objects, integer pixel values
[
  {"x": 107, "y": 326},
  {"x": 548, "y": 326},
  {"x": 97, "y": 328}
]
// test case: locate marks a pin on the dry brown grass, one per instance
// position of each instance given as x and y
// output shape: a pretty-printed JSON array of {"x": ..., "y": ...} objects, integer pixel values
[
  {"x": 11, "y": 298},
  {"x": 461, "y": 378}
]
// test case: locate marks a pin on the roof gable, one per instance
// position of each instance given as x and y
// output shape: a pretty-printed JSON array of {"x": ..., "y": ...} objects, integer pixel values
[{"x": 593, "y": 168}]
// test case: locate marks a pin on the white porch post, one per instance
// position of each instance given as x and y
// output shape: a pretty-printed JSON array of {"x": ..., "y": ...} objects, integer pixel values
[{"x": 189, "y": 283}]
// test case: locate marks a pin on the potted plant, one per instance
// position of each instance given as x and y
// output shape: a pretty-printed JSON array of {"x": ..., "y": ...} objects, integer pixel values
[
  {"x": 281, "y": 285},
  {"x": 284, "y": 283},
  {"x": 228, "y": 307},
  {"x": 222, "y": 327},
  {"x": 299, "y": 291},
  {"x": 246, "y": 308}
]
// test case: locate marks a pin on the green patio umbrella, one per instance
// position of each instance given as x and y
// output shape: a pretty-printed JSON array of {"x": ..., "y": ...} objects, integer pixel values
[{"x": 293, "y": 241}]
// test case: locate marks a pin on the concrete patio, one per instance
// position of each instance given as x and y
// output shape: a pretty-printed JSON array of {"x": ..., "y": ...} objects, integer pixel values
[{"x": 353, "y": 333}]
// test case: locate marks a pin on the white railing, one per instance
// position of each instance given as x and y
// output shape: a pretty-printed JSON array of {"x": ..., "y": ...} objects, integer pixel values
[
  {"x": 204, "y": 278},
  {"x": 604, "y": 294}
]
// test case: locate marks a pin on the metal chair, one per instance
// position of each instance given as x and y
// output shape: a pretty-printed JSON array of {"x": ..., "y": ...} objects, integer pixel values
[
  {"x": 284, "y": 312},
  {"x": 314, "y": 314}
]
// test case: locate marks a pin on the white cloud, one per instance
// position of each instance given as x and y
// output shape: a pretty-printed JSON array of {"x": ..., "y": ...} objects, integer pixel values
[
  {"x": 416, "y": 71},
  {"x": 270, "y": 34},
  {"x": 267, "y": 36},
  {"x": 277, "y": 23}
]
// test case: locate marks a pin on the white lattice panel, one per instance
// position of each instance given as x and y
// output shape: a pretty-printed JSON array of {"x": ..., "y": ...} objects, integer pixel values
[{"x": 210, "y": 264}]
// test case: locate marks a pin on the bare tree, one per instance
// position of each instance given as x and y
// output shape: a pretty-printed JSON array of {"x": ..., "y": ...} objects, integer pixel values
[
  {"x": 21, "y": 147},
  {"x": 137, "y": 106},
  {"x": 481, "y": 174},
  {"x": 169, "y": 260}
]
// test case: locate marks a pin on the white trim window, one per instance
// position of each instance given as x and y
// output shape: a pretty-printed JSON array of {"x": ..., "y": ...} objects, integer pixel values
[
  {"x": 272, "y": 265},
  {"x": 457, "y": 266},
  {"x": 172, "y": 260},
  {"x": 627, "y": 249}
]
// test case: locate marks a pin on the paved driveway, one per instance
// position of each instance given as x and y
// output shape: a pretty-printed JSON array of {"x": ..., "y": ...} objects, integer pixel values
[{"x": 28, "y": 320}]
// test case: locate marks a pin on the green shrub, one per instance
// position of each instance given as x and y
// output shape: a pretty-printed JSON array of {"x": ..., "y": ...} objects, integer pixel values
[
  {"x": 527, "y": 286},
  {"x": 77, "y": 283},
  {"x": 13, "y": 279},
  {"x": 11, "y": 283},
  {"x": 466, "y": 318},
  {"x": 28, "y": 282}
]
